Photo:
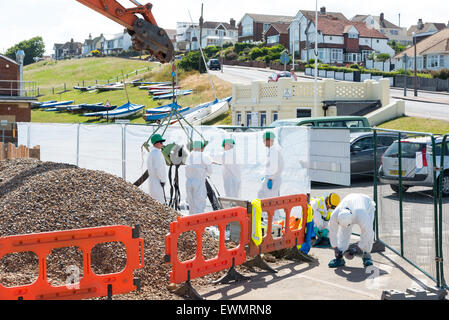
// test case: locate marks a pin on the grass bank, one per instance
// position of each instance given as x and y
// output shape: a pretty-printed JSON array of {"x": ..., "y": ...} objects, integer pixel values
[
  {"x": 416, "y": 124},
  {"x": 88, "y": 68}
]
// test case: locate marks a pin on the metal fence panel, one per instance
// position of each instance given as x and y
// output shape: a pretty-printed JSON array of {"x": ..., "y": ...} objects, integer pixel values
[{"x": 406, "y": 208}]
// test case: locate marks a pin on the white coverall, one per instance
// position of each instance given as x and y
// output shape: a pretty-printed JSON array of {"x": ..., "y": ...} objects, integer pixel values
[
  {"x": 198, "y": 167},
  {"x": 362, "y": 209},
  {"x": 157, "y": 171},
  {"x": 231, "y": 173},
  {"x": 273, "y": 170}
]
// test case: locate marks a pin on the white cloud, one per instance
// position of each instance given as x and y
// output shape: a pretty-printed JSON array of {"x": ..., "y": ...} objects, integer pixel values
[{"x": 61, "y": 20}]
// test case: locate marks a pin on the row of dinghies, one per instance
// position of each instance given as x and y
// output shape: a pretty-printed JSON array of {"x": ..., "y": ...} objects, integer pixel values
[
  {"x": 158, "y": 90},
  {"x": 195, "y": 115}
]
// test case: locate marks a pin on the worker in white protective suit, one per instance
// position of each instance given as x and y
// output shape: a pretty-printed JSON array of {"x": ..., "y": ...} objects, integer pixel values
[
  {"x": 198, "y": 167},
  {"x": 157, "y": 169},
  {"x": 274, "y": 165},
  {"x": 231, "y": 170},
  {"x": 353, "y": 209}
]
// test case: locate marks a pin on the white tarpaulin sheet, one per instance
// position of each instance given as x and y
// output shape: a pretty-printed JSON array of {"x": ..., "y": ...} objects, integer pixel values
[{"x": 117, "y": 149}]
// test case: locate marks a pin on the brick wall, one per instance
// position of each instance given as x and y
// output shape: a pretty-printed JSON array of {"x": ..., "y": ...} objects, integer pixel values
[
  {"x": 9, "y": 71},
  {"x": 21, "y": 112}
]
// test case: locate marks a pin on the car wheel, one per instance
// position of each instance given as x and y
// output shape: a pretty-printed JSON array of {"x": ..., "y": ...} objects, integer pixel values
[
  {"x": 395, "y": 188},
  {"x": 445, "y": 184}
]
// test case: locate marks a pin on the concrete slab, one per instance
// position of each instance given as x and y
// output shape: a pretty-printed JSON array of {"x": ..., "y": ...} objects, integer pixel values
[{"x": 304, "y": 281}]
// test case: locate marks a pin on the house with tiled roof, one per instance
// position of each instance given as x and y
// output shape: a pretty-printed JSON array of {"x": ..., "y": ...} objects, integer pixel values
[
  {"x": 432, "y": 53},
  {"x": 212, "y": 34},
  {"x": 277, "y": 33},
  {"x": 387, "y": 28},
  {"x": 340, "y": 41},
  {"x": 252, "y": 26},
  {"x": 421, "y": 30},
  {"x": 67, "y": 50},
  {"x": 90, "y": 45}
]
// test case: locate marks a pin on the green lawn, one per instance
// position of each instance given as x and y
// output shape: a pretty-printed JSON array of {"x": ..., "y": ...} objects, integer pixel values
[
  {"x": 415, "y": 124},
  {"x": 91, "y": 69},
  {"x": 54, "y": 74}
]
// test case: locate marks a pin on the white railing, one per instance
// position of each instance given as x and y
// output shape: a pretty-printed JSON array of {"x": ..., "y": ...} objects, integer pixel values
[
  {"x": 15, "y": 88},
  {"x": 287, "y": 92}
]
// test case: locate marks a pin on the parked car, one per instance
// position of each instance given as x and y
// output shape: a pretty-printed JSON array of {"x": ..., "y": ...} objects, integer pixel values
[
  {"x": 214, "y": 64},
  {"x": 362, "y": 150},
  {"x": 417, "y": 164},
  {"x": 277, "y": 75},
  {"x": 354, "y": 123}
]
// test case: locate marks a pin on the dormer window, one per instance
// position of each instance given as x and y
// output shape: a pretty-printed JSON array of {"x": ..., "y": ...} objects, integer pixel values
[{"x": 353, "y": 35}]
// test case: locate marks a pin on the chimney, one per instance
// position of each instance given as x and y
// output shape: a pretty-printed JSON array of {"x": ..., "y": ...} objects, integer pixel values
[
  {"x": 323, "y": 10},
  {"x": 420, "y": 24},
  {"x": 232, "y": 22},
  {"x": 382, "y": 17}
]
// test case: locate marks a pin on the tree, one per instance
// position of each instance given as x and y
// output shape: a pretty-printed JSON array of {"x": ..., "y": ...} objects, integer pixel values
[
  {"x": 382, "y": 57},
  {"x": 33, "y": 48}
]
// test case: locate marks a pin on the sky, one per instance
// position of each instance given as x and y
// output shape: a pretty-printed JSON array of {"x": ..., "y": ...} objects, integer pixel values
[{"x": 58, "y": 21}]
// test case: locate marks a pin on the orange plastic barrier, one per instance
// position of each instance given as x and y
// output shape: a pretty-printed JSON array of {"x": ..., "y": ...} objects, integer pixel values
[
  {"x": 198, "y": 267},
  {"x": 289, "y": 238},
  {"x": 90, "y": 284}
]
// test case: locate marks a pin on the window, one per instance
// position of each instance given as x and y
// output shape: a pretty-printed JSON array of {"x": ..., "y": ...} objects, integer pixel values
[
  {"x": 353, "y": 35},
  {"x": 432, "y": 61},
  {"x": 247, "y": 27},
  {"x": 263, "y": 119},
  {"x": 336, "y": 55},
  {"x": 303, "y": 113},
  {"x": 441, "y": 61},
  {"x": 274, "y": 116},
  {"x": 273, "y": 39},
  {"x": 266, "y": 26},
  {"x": 364, "y": 144},
  {"x": 394, "y": 32},
  {"x": 248, "y": 119},
  {"x": 239, "y": 118},
  {"x": 365, "y": 54}
]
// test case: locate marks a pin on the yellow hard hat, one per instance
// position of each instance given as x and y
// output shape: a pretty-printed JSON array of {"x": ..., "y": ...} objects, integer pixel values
[{"x": 333, "y": 200}]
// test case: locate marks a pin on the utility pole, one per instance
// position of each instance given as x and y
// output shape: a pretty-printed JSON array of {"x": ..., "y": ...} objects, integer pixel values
[{"x": 201, "y": 35}]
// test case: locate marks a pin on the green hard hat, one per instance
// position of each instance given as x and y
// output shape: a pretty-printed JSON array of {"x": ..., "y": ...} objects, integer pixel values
[
  {"x": 157, "y": 138},
  {"x": 228, "y": 141},
  {"x": 198, "y": 144},
  {"x": 269, "y": 135}
]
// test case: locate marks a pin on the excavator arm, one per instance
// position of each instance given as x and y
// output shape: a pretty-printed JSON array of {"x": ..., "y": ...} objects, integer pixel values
[{"x": 145, "y": 33}]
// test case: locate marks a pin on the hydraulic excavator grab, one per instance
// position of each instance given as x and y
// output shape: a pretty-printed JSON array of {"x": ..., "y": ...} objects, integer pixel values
[{"x": 145, "y": 33}]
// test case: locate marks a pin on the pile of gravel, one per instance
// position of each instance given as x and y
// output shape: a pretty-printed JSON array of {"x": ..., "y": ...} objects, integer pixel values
[{"x": 43, "y": 197}]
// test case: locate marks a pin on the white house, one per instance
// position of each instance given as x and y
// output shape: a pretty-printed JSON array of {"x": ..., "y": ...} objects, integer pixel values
[
  {"x": 184, "y": 35},
  {"x": 432, "y": 53},
  {"x": 215, "y": 34},
  {"x": 90, "y": 45},
  {"x": 390, "y": 30},
  {"x": 340, "y": 41},
  {"x": 116, "y": 43}
]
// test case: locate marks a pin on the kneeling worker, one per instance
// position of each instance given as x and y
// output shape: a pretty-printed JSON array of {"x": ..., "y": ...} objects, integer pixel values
[{"x": 354, "y": 209}]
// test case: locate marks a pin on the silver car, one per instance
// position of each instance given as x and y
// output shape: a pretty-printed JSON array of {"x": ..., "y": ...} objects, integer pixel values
[{"x": 417, "y": 164}]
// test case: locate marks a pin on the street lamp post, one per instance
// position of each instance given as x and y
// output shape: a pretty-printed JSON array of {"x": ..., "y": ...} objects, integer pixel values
[
  {"x": 405, "y": 74},
  {"x": 315, "y": 107},
  {"x": 415, "y": 82},
  {"x": 20, "y": 57}
]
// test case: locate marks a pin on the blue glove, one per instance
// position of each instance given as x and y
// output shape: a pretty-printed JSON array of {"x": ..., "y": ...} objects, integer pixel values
[
  {"x": 270, "y": 184},
  {"x": 305, "y": 247}
]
